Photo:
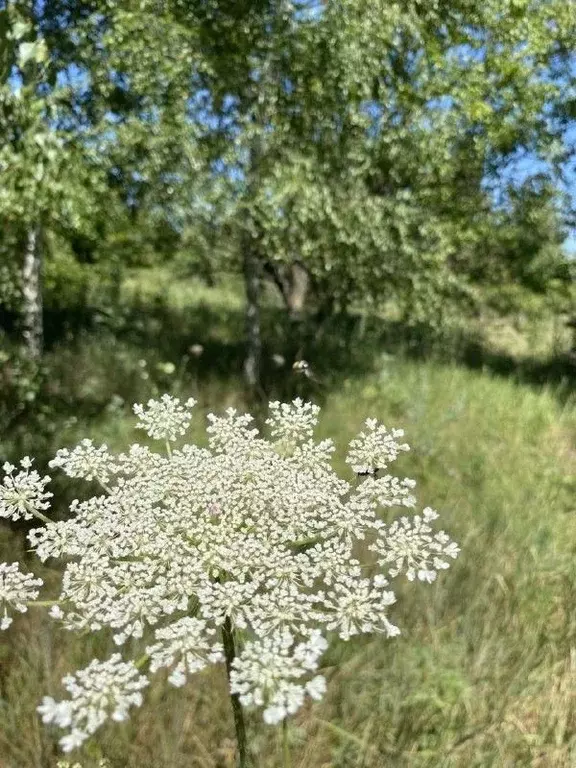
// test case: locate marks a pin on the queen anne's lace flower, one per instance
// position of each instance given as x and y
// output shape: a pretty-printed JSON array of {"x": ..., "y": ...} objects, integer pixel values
[
  {"x": 375, "y": 448},
  {"x": 22, "y": 495},
  {"x": 285, "y": 606},
  {"x": 292, "y": 422},
  {"x": 187, "y": 645},
  {"x": 411, "y": 546},
  {"x": 86, "y": 461},
  {"x": 355, "y": 607},
  {"x": 258, "y": 534},
  {"x": 387, "y": 491},
  {"x": 104, "y": 689},
  {"x": 165, "y": 419},
  {"x": 16, "y": 589},
  {"x": 269, "y": 673},
  {"x": 230, "y": 599},
  {"x": 231, "y": 432}
]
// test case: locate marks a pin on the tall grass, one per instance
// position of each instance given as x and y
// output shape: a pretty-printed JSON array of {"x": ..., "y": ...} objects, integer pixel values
[{"x": 485, "y": 671}]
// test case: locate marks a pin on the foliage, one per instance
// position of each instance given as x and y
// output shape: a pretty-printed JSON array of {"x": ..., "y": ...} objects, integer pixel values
[
  {"x": 372, "y": 143},
  {"x": 368, "y": 140}
]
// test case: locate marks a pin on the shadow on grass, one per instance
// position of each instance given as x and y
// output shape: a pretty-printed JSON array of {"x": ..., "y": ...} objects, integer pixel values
[
  {"x": 95, "y": 356},
  {"x": 211, "y": 343}
]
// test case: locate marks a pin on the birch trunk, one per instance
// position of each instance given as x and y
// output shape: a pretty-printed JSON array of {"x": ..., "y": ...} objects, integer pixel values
[
  {"x": 32, "y": 323},
  {"x": 252, "y": 284}
]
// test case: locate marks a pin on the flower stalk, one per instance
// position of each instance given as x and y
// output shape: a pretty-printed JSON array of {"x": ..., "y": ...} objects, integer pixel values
[
  {"x": 285, "y": 745},
  {"x": 237, "y": 712}
]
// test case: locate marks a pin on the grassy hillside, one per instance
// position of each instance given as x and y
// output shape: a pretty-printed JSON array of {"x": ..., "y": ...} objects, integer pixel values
[{"x": 484, "y": 673}]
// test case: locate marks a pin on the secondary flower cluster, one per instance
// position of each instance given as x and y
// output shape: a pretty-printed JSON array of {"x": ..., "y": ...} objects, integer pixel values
[
  {"x": 22, "y": 495},
  {"x": 16, "y": 589},
  {"x": 260, "y": 534},
  {"x": 268, "y": 673},
  {"x": 105, "y": 689}
]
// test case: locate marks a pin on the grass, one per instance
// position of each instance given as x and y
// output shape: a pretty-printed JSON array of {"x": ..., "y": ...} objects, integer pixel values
[{"x": 484, "y": 673}]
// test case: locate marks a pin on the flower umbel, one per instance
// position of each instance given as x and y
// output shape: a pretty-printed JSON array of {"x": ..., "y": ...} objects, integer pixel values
[
  {"x": 375, "y": 448},
  {"x": 104, "y": 689},
  {"x": 165, "y": 419},
  {"x": 85, "y": 461},
  {"x": 187, "y": 645},
  {"x": 253, "y": 537},
  {"x": 16, "y": 589},
  {"x": 293, "y": 422},
  {"x": 410, "y": 545},
  {"x": 22, "y": 493},
  {"x": 268, "y": 673}
]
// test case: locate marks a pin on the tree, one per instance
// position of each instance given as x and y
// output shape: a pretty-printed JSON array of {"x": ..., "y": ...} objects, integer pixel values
[
  {"x": 89, "y": 165},
  {"x": 362, "y": 142},
  {"x": 51, "y": 177},
  {"x": 348, "y": 149}
]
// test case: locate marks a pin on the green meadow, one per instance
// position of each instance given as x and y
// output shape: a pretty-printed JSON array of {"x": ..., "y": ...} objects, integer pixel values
[{"x": 484, "y": 673}]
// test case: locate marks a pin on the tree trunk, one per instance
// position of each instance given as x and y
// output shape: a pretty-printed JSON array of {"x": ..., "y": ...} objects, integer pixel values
[
  {"x": 32, "y": 322},
  {"x": 293, "y": 282},
  {"x": 299, "y": 284},
  {"x": 252, "y": 284}
]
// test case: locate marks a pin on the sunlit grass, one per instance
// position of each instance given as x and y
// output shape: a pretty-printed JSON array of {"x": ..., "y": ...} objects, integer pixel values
[{"x": 485, "y": 671}]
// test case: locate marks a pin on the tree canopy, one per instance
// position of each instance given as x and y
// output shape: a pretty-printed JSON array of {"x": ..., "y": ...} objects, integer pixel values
[{"x": 370, "y": 145}]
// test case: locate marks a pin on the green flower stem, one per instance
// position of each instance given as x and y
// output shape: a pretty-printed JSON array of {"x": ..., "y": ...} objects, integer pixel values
[
  {"x": 42, "y": 517},
  {"x": 43, "y": 603},
  {"x": 285, "y": 746},
  {"x": 105, "y": 487},
  {"x": 239, "y": 724},
  {"x": 141, "y": 662}
]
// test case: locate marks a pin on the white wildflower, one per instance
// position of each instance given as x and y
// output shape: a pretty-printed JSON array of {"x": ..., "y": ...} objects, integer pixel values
[
  {"x": 314, "y": 458},
  {"x": 292, "y": 422},
  {"x": 258, "y": 534},
  {"x": 356, "y": 606},
  {"x": 85, "y": 461},
  {"x": 230, "y": 599},
  {"x": 22, "y": 495},
  {"x": 165, "y": 419},
  {"x": 188, "y": 645},
  {"x": 16, "y": 590},
  {"x": 231, "y": 433},
  {"x": 375, "y": 448},
  {"x": 411, "y": 546},
  {"x": 331, "y": 560},
  {"x": 286, "y": 606},
  {"x": 268, "y": 673},
  {"x": 103, "y": 690},
  {"x": 387, "y": 491}
]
